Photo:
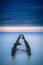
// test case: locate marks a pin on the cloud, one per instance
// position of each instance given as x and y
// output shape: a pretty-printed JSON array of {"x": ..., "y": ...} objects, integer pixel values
[{"x": 21, "y": 12}]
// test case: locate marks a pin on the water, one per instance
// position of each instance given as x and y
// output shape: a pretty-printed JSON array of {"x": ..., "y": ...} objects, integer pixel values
[{"x": 35, "y": 41}]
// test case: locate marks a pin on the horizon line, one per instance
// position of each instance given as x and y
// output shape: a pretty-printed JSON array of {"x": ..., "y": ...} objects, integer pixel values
[{"x": 21, "y": 29}]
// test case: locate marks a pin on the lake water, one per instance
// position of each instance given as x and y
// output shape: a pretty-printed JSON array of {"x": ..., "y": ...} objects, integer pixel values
[{"x": 35, "y": 40}]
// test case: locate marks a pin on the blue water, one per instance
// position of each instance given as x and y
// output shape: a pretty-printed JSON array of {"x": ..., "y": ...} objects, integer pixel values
[{"x": 35, "y": 41}]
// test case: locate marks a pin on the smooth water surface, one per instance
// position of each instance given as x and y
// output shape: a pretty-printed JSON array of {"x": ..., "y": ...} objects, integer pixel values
[{"x": 35, "y": 41}]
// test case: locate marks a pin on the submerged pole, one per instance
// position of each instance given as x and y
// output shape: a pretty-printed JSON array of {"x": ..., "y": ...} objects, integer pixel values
[
  {"x": 14, "y": 48},
  {"x": 27, "y": 46}
]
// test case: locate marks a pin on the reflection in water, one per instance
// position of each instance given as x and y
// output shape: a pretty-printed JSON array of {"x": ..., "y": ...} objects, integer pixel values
[
  {"x": 35, "y": 41},
  {"x": 21, "y": 59}
]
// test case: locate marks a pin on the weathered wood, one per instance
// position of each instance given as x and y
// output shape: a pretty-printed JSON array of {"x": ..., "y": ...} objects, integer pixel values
[
  {"x": 15, "y": 46},
  {"x": 27, "y": 45},
  {"x": 14, "y": 49}
]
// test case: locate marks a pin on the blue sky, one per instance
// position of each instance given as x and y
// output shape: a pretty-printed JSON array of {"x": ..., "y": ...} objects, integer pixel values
[{"x": 21, "y": 13}]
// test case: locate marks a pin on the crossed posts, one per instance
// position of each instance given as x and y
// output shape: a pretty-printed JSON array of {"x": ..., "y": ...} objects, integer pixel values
[{"x": 14, "y": 48}]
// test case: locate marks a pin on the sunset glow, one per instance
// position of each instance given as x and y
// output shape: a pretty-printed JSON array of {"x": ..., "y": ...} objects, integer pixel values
[{"x": 21, "y": 29}]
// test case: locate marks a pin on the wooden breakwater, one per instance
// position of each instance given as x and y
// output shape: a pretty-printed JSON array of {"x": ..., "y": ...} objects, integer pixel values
[
  {"x": 14, "y": 49},
  {"x": 27, "y": 45}
]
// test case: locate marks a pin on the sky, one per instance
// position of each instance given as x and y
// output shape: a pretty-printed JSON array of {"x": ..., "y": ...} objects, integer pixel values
[
  {"x": 21, "y": 13},
  {"x": 21, "y": 29}
]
